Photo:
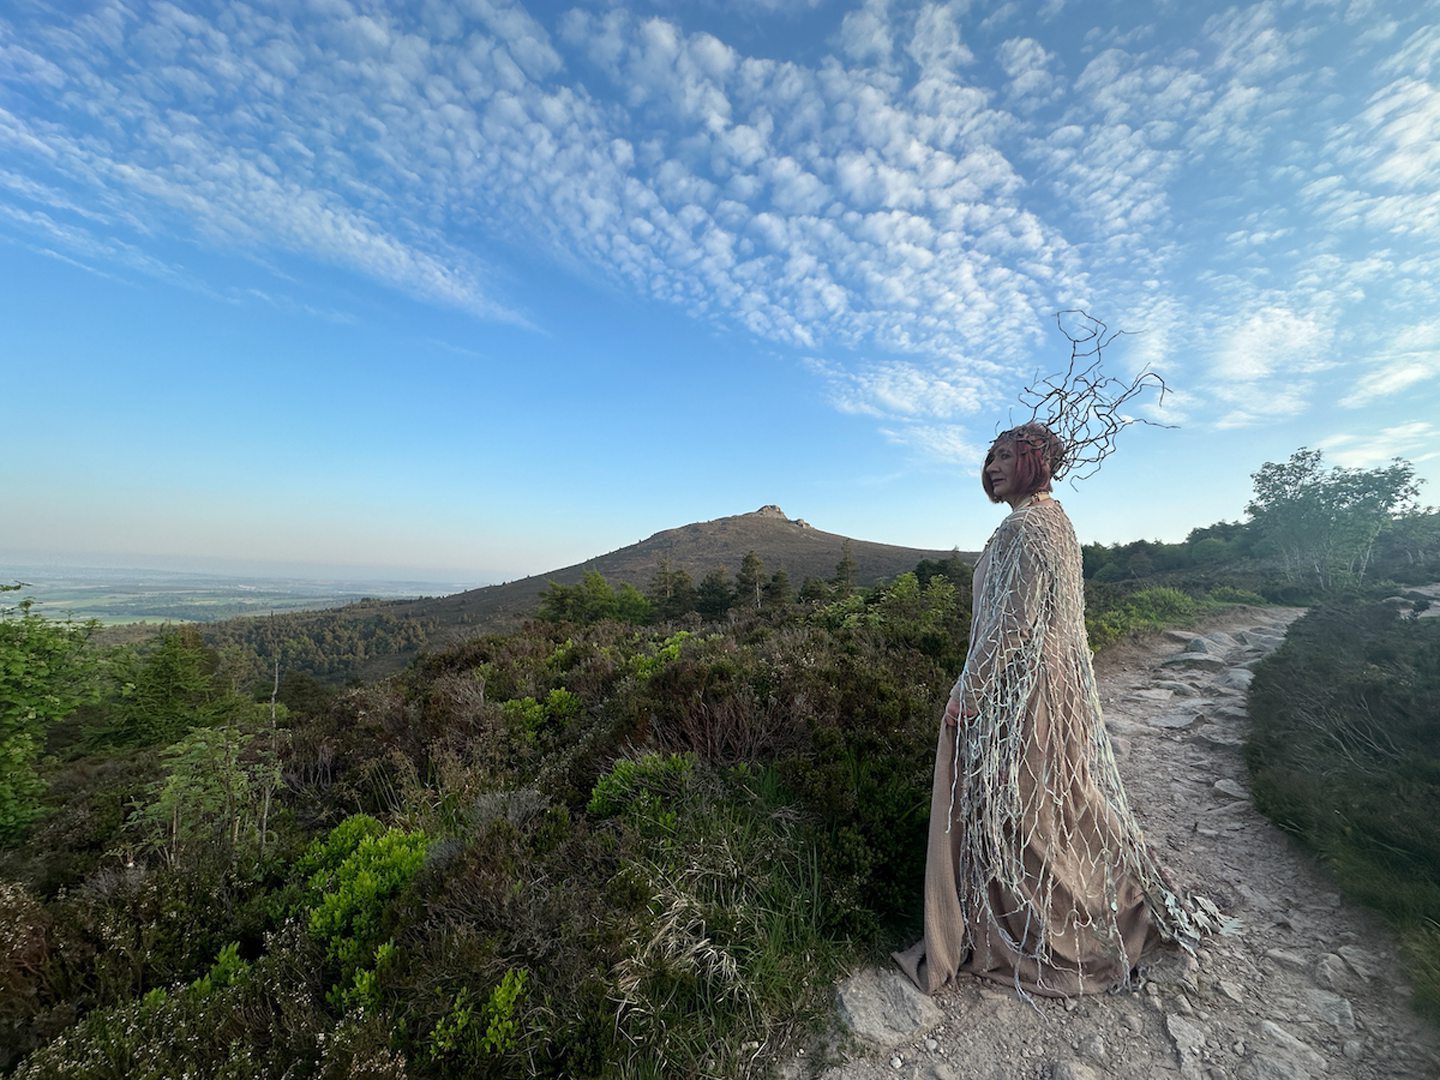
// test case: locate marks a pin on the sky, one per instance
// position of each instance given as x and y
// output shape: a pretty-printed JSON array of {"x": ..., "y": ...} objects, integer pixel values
[{"x": 469, "y": 290}]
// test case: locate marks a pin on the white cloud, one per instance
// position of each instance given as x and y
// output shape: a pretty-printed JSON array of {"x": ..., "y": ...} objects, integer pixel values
[
  {"x": 898, "y": 390},
  {"x": 1403, "y": 135},
  {"x": 1415, "y": 441},
  {"x": 1251, "y": 45},
  {"x": 1275, "y": 342},
  {"x": 1031, "y": 68},
  {"x": 935, "y": 42},
  {"x": 942, "y": 443},
  {"x": 1419, "y": 56},
  {"x": 1411, "y": 359},
  {"x": 865, "y": 34},
  {"x": 1264, "y": 404}
]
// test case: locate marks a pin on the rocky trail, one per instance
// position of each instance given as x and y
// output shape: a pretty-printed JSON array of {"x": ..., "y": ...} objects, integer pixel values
[{"x": 1309, "y": 986}]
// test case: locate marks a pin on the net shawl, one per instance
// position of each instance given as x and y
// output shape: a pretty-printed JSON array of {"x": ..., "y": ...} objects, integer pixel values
[{"x": 1038, "y": 873}]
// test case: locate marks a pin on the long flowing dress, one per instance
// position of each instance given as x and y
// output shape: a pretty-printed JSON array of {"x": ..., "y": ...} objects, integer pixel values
[{"x": 1037, "y": 873}]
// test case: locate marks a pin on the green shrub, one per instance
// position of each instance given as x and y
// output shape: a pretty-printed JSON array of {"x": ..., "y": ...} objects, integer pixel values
[
  {"x": 325, "y": 856},
  {"x": 354, "y": 898},
  {"x": 250, "y": 1020},
  {"x": 658, "y": 776},
  {"x": 562, "y": 706},
  {"x": 1110, "y": 617},
  {"x": 364, "y": 990},
  {"x": 525, "y": 716},
  {"x": 227, "y": 970},
  {"x": 1162, "y": 605},
  {"x": 668, "y": 651}
]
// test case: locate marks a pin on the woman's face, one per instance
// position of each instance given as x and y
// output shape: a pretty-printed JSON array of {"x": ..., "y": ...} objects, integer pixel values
[{"x": 1001, "y": 469}]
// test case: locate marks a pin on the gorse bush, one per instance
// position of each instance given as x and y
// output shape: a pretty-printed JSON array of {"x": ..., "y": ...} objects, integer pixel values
[{"x": 1345, "y": 753}]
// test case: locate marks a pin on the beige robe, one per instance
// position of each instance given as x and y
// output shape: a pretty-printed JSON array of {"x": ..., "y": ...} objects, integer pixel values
[{"x": 1037, "y": 873}]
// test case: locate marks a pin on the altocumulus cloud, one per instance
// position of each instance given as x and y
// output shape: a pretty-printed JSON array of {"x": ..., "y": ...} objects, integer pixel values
[{"x": 910, "y": 200}]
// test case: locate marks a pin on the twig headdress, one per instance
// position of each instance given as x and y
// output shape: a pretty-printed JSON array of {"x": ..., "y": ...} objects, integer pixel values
[{"x": 1079, "y": 408}]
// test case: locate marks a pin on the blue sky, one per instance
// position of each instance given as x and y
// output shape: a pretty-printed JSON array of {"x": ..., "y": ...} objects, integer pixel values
[{"x": 473, "y": 290}]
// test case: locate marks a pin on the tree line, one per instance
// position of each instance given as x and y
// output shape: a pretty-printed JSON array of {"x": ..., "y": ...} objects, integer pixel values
[
  {"x": 673, "y": 594},
  {"x": 1312, "y": 530}
]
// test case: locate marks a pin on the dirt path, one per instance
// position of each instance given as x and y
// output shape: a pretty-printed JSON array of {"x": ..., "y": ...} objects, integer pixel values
[{"x": 1310, "y": 987}]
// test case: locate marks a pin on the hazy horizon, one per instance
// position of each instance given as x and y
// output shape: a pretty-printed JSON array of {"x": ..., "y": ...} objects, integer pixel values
[{"x": 17, "y": 562}]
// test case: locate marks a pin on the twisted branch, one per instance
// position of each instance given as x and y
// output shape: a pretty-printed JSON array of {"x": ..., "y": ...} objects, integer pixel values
[{"x": 1082, "y": 404}]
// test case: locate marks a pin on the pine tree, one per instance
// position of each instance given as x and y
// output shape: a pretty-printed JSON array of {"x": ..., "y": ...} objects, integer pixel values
[
  {"x": 164, "y": 694},
  {"x": 750, "y": 581},
  {"x": 814, "y": 591},
  {"x": 714, "y": 597},
  {"x": 46, "y": 672},
  {"x": 778, "y": 592}
]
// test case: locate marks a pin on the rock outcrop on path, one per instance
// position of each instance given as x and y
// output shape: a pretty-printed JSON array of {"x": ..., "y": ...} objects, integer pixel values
[{"x": 1308, "y": 987}]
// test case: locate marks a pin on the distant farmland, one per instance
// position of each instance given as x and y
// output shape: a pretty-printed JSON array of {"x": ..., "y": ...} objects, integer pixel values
[{"x": 116, "y": 596}]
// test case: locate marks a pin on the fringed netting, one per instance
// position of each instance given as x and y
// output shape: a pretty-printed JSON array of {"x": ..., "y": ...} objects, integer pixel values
[{"x": 1046, "y": 836}]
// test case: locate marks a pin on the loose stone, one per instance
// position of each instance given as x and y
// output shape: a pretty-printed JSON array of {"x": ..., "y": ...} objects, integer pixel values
[
  {"x": 1287, "y": 959},
  {"x": 1230, "y": 788},
  {"x": 1363, "y": 963},
  {"x": 1331, "y": 972}
]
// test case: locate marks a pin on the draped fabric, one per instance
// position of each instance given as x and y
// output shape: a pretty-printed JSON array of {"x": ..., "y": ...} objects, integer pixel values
[{"x": 1037, "y": 873}]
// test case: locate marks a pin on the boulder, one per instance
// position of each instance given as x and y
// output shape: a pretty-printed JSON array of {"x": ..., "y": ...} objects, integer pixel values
[
  {"x": 1287, "y": 959},
  {"x": 1286, "y": 1056},
  {"x": 1204, "y": 646},
  {"x": 1073, "y": 1070},
  {"x": 1188, "y": 1037},
  {"x": 1332, "y": 973},
  {"x": 1179, "y": 689},
  {"x": 1154, "y": 693},
  {"x": 1223, "y": 735}
]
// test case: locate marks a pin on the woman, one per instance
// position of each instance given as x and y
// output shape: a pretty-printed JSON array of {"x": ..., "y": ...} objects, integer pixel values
[{"x": 1037, "y": 874}]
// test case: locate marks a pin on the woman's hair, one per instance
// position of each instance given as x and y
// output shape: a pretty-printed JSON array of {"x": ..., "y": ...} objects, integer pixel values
[{"x": 1039, "y": 455}]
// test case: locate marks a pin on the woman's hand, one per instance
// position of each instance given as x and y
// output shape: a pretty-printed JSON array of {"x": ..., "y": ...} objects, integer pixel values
[{"x": 956, "y": 710}]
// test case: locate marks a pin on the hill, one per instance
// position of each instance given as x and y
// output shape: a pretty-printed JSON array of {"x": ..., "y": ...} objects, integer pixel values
[
  {"x": 375, "y": 637},
  {"x": 783, "y": 543}
]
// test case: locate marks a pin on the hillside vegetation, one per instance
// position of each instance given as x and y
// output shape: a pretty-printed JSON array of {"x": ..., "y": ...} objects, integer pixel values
[
  {"x": 375, "y": 638},
  {"x": 583, "y": 847}
]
